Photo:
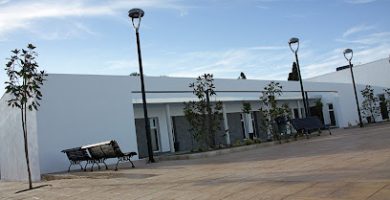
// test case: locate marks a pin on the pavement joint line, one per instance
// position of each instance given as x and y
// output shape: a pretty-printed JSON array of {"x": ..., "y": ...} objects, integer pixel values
[
  {"x": 301, "y": 190},
  {"x": 377, "y": 191}
]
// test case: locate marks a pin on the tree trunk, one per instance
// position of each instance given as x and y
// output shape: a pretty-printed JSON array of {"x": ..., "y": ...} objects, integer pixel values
[
  {"x": 372, "y": 110},
  {"x": 209, "y": 125},
  {"x": 24, "y": 126}
]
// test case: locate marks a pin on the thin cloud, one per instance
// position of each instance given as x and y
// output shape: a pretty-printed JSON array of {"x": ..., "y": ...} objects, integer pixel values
[
  {"x": 260, "y": 62},
  {"x": 65, "y": 31},
  {"x": 268, "y": 48},
  {"x": 370, "y": 39},
  {"x": 4, "y": 2},
  {"x": 367, "y": 48},
  {"x": 262, "y": 7},
  {"x": 25, "y": 14},
  {"x": 357, "y": 29},
  {"x": 360, "y": 1},
  {"x": 254, "y": 61}
]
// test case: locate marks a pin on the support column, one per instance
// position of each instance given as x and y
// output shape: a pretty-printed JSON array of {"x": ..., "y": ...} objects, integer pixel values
[
  {"x": 226, "y": 125},
  {"x": 169, "y": 127},
  {"x": 299, "y": 109},
  {"x": 248, "y": 125}
]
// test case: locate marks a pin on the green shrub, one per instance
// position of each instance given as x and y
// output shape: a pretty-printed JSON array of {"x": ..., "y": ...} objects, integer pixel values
[
  {"x": 237, "y": 143},
  {"x": 248, "y": 142},
  {"x": 257, "y": 141}
]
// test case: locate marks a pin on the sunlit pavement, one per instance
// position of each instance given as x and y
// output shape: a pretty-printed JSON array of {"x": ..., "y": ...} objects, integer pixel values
[{"x": 350, "y": 164}]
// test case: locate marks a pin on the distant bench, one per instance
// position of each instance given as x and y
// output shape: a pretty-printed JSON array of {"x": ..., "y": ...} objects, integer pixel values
[
  {"x": 306, "y": 125},
  {"x": 97, "y": 153}
]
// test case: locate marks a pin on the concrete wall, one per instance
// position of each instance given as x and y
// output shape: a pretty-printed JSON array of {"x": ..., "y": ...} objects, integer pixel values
[
  {"x": 79, "y": 110},
  {"x": 374, "y": 73},
  {"x": 12, "y": 156}
]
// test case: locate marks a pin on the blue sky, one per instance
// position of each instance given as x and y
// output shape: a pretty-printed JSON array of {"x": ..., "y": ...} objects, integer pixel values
[{"x": 191, "y": 37}]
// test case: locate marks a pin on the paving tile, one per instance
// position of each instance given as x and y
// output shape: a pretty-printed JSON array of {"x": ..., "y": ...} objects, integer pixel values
[{"x": 350, "y": 164}]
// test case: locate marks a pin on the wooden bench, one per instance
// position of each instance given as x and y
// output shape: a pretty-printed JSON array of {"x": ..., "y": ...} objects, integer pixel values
[
  {"x": 306, "y": 125},
  {"x": 110, "y": 149},
  {"x": 97, "y": 153},
  {"x": 76, "y": 156}
]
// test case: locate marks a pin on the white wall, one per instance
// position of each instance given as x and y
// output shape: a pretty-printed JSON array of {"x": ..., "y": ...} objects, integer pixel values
[
  {"x": 12, "y": 156},
  {"x": 373, "y": 73},
  {"x": 78, "y": 110}
]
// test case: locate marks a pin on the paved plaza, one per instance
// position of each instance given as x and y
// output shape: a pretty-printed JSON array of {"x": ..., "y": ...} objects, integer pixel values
[{"x": 350, "y": 164}]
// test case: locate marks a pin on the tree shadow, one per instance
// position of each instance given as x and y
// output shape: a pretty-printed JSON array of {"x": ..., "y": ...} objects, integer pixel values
[{"x": 36, "y": 187}]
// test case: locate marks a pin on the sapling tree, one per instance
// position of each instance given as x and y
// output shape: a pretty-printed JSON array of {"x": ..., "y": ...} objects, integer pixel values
[
  {"x": 387, "y": 96},
  {"x": 271, "y": 110},
  {"x": 246, "y": 114},
  {"x": 246, "y": 107},
  {"x": 24, "y": 86},
  {"x": 203, "y": 115},
  {"x": 370, "y": 104}
]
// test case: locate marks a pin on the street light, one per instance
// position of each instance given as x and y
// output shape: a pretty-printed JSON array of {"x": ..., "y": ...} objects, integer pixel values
[
  {"x": 136, "y": 15},
  {"x": 348, "y": 54},
  {"x": 294, "y": 46}
]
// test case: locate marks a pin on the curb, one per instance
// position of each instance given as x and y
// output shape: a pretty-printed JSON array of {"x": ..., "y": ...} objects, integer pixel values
[{"x": 214, "y": 153}]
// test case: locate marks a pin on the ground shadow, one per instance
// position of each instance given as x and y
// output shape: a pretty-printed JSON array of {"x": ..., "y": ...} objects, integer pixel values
[{"x": 36, "y": 187}]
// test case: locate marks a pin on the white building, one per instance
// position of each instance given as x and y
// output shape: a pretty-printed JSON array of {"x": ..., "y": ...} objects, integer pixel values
[
  {"x": 84, "y": 109},
  {"x": 374, "y": 73}
]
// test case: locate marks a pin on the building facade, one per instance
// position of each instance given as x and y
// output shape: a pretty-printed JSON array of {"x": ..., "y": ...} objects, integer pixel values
[{"x": 84, "y": 109}]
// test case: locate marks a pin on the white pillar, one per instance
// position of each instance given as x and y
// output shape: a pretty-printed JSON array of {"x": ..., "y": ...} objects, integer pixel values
[
  {"x": 299, "y": 109},
  {"x": 226, "y": 125},
  {"x": 169, "y": 127},
  {"x": 248, "y": 124}
]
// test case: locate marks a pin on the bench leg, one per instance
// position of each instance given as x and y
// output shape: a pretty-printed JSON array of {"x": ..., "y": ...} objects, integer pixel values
[
  {"x": 124, "y": 159},
  {"x": 132, "y": 164},
  {"x": 116, "y": 166},
  {"x": 85, "y": 167},
  {"x": 92, "y": 166},
  {"x": 105, "y": 165},
  {"x": 81, "y": 166},
  {"x": 69, "y": 168}
]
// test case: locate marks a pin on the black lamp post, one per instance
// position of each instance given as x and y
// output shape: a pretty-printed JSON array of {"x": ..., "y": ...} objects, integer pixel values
[
  {"x": 348, "y": 54},
  {"x": 136, "y": 14},
  {"x": 295, "y": 42}
]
